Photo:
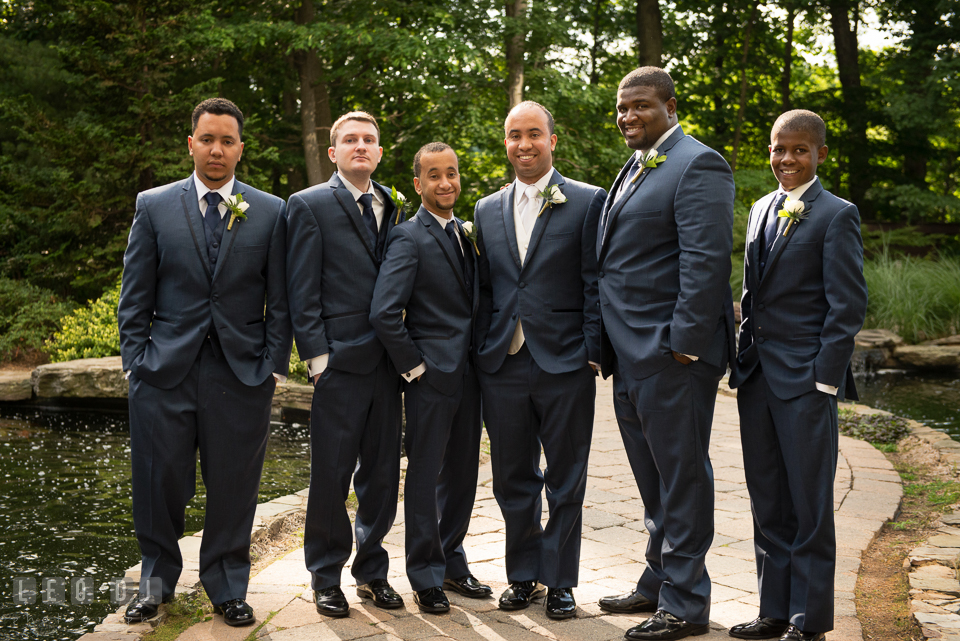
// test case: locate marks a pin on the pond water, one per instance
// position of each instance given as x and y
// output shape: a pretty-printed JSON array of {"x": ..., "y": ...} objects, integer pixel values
[
  {"x": 66, "y": 508},
  {"x": 931, "y": 399}
]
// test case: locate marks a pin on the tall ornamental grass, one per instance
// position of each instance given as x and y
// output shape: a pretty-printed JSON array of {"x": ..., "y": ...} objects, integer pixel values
[{"x": 917, "y": 298}]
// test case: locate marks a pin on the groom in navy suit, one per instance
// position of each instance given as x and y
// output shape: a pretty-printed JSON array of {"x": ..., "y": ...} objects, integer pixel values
[
  {"x": 335, "y": 245},
  {"x": 537, "y": 338},
  {"x": 423, "y": 309},
  {"x": 667, "y": 336},
  {"x": 204, "y": 333}
]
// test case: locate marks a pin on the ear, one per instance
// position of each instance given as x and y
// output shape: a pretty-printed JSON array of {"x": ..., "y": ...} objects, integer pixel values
[
  {"x": 553, "y": 141},
  {"x": 671, "y": 107},
  {"x": 822, "y": 154},
  {"x": 190, "y": 144},
  {"x": 332, "y": 154},
  {"x": 417, "y": 186}
]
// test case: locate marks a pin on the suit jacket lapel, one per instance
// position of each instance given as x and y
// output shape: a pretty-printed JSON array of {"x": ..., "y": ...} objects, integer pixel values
[
  {"x": 506, "y": 214},
  {"x": 808, "y": 197},
  {"x": 609, "y": 204},
  {"x": 227, "y": 245},
  {"x": 189, "y": 201},
  {"x": 542, "y": 220},
  {"x": 351, "y": 210},
  {"x": 761, "y": 209},
  {"x": 470, "y": 262},
  {"x": 427, "y": 220}
]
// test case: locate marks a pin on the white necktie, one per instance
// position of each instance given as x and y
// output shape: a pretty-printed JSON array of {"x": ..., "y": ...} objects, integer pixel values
[{"x": 530, "y": 210}]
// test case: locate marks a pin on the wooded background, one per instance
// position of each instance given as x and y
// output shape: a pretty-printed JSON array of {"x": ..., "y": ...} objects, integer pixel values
[{"x": 96, "y": 96}]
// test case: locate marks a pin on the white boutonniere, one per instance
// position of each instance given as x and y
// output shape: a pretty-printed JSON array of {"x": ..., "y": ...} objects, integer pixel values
[
  {"x": 551, "y": 196},
  {"x": 237, "y": 206},
  {"x": 794, "y": 211},
  {"x": 400, "y": 202},
  {"x": 649, "y": 160},
  {"x": 470, "y": 231}
]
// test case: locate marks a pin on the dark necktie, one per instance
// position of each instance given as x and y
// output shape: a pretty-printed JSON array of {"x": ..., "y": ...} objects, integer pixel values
[
  {"x": 369, "y": 219},
  {"x": 451, "y": 230},
  {"x": 624, "y": 187},
  {"x": 769, "y": 232},
  {"x": 212, "y": 215}
]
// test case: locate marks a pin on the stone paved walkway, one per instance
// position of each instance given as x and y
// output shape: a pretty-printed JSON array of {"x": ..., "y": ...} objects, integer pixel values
[{"x": 867, "y": 493}]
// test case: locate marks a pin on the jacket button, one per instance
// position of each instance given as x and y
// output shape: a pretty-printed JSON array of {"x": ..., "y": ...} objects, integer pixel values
[
  {"x": 760, "y": 306},
  {"x": 216, "y": 245},
  {"x": 600, "y": 275},
  {"x": 522, "y": 284},
  {"x": 215, "y": 297},
  {"x": 514, "y": 317},
  {"x": 760, "y": 340}
]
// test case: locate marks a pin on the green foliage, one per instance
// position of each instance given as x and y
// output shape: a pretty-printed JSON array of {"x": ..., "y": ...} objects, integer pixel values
[
  {"x": 298, "y": 369},
  {"x": 936, "y": 493},
  {"x": 878, "y": 429},
  {"x": 917, "y": 298},
  {"x": 29, "y": 315},
  {"x": 90, "y": 332}
]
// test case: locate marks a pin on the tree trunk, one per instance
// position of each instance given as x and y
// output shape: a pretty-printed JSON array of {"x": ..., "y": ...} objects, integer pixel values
[
  {"x": 738, "y": 127},
  {"x": 649, "y": 33},
  {"x": 720, "y": 29},
  {"x": 787, "y": 58},
  {"x": 516, "y": 37},
  {"x": 310, "y": 72},
  {"x": 290, "y": 93},
  {"x": 594, "y": 72},
  {"x": 854, "y": 102}
]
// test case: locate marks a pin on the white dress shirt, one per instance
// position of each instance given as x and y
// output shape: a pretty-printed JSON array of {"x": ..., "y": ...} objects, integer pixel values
[
  {"x": 226, "y": 191},
  {"x": 638, "y": 155}
]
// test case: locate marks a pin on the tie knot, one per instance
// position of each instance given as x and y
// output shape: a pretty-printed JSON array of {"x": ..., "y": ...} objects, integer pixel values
[
  {"x": 531, "y": 192},
  {"x": 365, "y": 200},
  {"x": 213, "y": 198}
]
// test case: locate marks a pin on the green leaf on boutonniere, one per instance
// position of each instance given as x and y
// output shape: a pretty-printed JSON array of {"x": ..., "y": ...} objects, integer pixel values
[
  {"x": 551, "y": 196},
  {"x": 794, "y": 211},
  {"x": 470, "y": 231},
  {"x": 400, "y": 202},
  {"x": 238, "y": 207},
  {"x": 649, "y": 160}
]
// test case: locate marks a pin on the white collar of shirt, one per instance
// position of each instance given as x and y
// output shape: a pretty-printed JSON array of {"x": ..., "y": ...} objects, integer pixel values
[
  {"x": 443, "y": 225},
  {"x": 639, "y": 154},
  {"x": 519, "y": 187},
  {"x": 202, "y": 190},
  {"x": 378, "y": 205},
  {"x": 797, "y": 192}
]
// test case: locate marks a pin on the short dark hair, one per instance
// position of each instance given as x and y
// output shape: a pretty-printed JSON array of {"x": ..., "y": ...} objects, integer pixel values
[
  {"x": 531, "y": 103},
  {"x": 362, "y": 116},
  {"x": 801, "y": 121},
  {"x": 650, "y": 77},
  {"x": 218, "y": 107},
  {"x": 429, "y": 148}
]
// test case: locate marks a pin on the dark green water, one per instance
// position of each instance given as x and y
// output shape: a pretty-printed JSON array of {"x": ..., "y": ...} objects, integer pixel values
[
  {"x": 65, "y": 508},
  {"x": 933, "y": 400}
]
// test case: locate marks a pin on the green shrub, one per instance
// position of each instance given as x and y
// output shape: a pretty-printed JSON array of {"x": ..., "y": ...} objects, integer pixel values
[
  {"x": 29, "y": 315},
  {"x": 298, "y": 369},
  {"x": 879, "y": 429},
  {"x": 90, "y": 332},
  {"x": 917, "y": 298}
]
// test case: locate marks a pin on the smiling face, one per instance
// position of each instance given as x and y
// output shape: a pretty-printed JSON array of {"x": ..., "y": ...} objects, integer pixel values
[
  {"x": 529, "y": 143},
  {"x": 643, "y": 117},
  {"x": 439, "y": 182},
  {"x": 357, "y": 152},
  {"x": 216, "y": 149},
  {"x": 794, "y": 158}
]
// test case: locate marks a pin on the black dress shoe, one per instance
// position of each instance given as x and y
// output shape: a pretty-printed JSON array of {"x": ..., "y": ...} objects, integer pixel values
[
  {"x": 662, "y": 626},
  {"x": 520, "y": 594},
  {"x": 235, "y": 612},
  {"x": 331, "y": 602},
  {"x": 431, "y": 600},
  {"x": 759, "y": 628},
  {"x": 627, "y": 603},
  {"x": 560, "y": 603},
  {"x": 468, "y": 586},
  {"x": 141, "y": 609},
  {"x": 793, "y": 633},
  {"x": 382, "y": 595}
]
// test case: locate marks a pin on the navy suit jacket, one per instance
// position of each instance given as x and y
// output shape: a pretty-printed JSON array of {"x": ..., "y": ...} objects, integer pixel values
[
  {"x": 422, "y": 275},
  {"x": 800, "y": 318},
  {"x": 332, "y": 268},
  {"x": 554, "y": 291},
  {"x": 170, "y": 297},
  {"x": 664, "y": 259}
]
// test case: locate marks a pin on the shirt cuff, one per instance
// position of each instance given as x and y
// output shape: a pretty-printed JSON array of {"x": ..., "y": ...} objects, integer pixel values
[
  {"x": 126, "y": 375},
  {"x": 280, "y": 377},
  {"x": 415, "y": 372},
  {"x": 692, "y": 357},
  {"x": 828, "y": 389},
  {"x": 317, "y": 364},
  {"x": 596, "y": 365}
]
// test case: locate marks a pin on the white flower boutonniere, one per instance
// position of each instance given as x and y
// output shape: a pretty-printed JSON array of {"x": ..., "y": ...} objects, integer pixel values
[
  {"x": 400, "y": 202},
  {"x": 238, "y": 207},
  {"x": 551, "y": 196},
  {"x": 470, "y": 231},
  {"x": 649, "y": 160},
  {"x": 794, "y": 211}
]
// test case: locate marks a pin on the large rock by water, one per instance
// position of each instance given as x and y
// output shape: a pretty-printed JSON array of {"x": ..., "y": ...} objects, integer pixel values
[
  {"x": 929, "y": 356},
  {"x": 15, "y": 386},
  {"x": 85, "y": 378}
]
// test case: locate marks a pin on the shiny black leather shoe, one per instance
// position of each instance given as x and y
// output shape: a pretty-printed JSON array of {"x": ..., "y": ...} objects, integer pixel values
[
  {"x": 331, "y": 601},
  {"x": 468, "y": 586},
  {"x": 663, "y": 626},
  {"x": 235, "y": 612},
  {"x": 519, "y": 595},
  {"x": 382, "y": 595},
  {"x": 141, "y": 609},
  {"x": 759, "y": 628},
  {"x": 627, "y": 604},
  {"x": 793, "y": 633},
  {"x": 431, "y": 600},
  {"x": 560, "y": 603}
]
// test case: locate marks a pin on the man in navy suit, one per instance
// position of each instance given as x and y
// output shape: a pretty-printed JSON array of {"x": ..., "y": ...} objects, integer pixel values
[
  {"x": 430, "y": 274},
  {"x": 536, "y": 337},
  {"x": 667, "y": 333},
  {"x": 335, "y": 241},
  {"x": 204, "y": 333},
  {"x": 804, "y": 300}
]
